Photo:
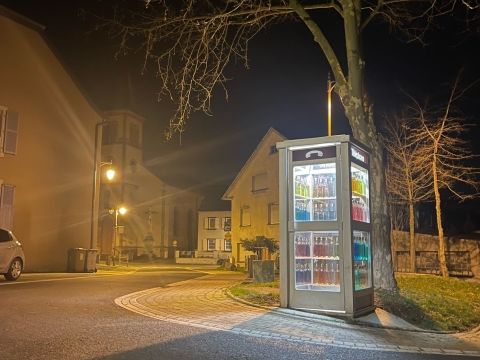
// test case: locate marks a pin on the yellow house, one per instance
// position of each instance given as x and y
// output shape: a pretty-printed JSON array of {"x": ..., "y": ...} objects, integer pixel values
[
  {"x": 254, "y": 196},
  {"x": 46, "y": 147}
]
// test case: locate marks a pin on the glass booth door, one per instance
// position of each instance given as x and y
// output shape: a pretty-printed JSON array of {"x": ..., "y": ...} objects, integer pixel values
[{"x": 316, "y": 243}]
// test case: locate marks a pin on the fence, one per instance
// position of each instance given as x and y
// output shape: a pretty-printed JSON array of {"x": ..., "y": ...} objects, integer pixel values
[{"x": 426, "y": 262}]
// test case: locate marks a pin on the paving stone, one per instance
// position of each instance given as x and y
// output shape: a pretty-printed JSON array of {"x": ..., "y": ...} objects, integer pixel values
[{"x": 202, "y": 302}]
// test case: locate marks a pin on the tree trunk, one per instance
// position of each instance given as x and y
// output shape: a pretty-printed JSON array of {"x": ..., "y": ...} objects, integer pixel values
[
  {"x": 359, "y": 114},
  {"x": 438, "y": 210},
  {"x": 351, "y": 94},
  {"x": 382, "y": 256},
  {"x": 411, "y": 228}
]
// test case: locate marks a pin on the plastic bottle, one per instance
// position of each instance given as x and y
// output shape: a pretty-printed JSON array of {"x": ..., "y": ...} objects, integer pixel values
[{"x": 337, "y": 273}]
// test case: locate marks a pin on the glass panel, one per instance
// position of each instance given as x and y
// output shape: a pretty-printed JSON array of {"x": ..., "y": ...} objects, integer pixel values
[
  {"x": 315, "y": 192},
  {"x": 360, "y": 194},
  {"x": 317, "y": 261},
  {"x": 362, "y": 260}
]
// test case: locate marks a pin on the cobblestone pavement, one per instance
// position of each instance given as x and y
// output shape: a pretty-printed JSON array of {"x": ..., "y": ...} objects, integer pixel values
[{"x": 203, "y": 302}]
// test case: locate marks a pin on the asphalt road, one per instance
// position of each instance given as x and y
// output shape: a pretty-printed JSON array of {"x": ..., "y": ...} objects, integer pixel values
[{"x": 73, "y": 316}]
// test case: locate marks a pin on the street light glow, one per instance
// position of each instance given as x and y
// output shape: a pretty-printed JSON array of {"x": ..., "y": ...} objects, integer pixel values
[
  {"x": 122, "y": 210},
  {"x": 110, "y": 174}
]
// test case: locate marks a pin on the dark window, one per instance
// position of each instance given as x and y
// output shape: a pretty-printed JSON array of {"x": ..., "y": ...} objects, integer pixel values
[
  {"x": 211, "y": 244},
  {"x": 8, "y": 131},
  {"x": 109, "y": 134},
  {"x": 134, "y": 136},
  {"x": 273, "y": 216},
  {"x": 4, "y": 236},
  {"x": 259, "y": 182},
  {"x": 7, "y": 195},
  {"x": 245, "y": 217}
]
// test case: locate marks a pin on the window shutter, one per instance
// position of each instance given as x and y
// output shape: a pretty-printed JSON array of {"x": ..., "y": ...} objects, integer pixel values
[
  {"x": 205, "y": 223},
  {"x": 11, "y": 133},
  {"x": 217, "y": 223},
  {"x": 7, "y": 193},
  {"x": 3, "y": 120}
]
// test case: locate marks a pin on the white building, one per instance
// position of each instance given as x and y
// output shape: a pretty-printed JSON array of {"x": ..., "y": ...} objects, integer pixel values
[{"x": 214, "y": 231}]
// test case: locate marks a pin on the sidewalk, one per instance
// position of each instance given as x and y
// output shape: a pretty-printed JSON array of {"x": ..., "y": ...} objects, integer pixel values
[{"x": 203, "y": 302}]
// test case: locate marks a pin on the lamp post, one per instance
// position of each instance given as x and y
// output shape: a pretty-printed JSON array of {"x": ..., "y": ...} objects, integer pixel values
[
  {"x": 121, "y": 210},
  {"x": 330, "y": 86},
  {"x": 96, "y": 182}
]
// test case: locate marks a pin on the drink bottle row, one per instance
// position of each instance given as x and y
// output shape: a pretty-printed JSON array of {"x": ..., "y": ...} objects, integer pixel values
[
  {"x": 325, "y": 272},
  {"x": 360, "y": 210},
  {"x": 361, "y": 275},
  {"x": 361, "y": 246},
  {"x": 302, "y": 187},
  {"x": 322, "y": 186},
  {"x": 322, "y": 245},
  {"x": 359, "y": 184},
  {"x": 323, "y": 210}
]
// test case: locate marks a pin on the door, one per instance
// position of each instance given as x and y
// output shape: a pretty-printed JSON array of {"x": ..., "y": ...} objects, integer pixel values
[
  {"x": 7, "y": 249},
  {"x": 315, "y": 236}
]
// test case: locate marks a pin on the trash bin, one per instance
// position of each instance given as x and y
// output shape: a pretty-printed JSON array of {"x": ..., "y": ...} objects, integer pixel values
[
  {"x": 91, "y": 262},
  {"x": 76, "y": 260},
  {"x": 250, "y": 260}
]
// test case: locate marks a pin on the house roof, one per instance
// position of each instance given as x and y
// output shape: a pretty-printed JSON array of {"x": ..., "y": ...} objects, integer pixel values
[
  {"x": 12, "y": 15},
  {"x": 271, "y": 130}
]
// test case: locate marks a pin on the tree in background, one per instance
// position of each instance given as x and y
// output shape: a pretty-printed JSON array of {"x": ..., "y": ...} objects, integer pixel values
[
  {"x": 408, "y": 175},
  {"x": 441, "y": 134},
  {"x": 190, "y": 42},
  {"x": 258, "y": 244}
]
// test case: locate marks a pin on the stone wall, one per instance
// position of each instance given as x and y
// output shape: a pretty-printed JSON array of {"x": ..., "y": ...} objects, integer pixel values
[{"x": 425, "y": 242}]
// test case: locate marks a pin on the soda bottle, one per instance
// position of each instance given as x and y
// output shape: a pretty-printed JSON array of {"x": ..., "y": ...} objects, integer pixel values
[{"x": 337, "y": 273}]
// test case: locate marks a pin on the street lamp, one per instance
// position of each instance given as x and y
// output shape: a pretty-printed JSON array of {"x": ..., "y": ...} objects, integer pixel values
[
  {"x": 110, "y": 174},
  {"x": 120, "y": 210}
]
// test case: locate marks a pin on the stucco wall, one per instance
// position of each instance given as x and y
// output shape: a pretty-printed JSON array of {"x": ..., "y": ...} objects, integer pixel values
[
  {"x": 53, "y": 168},
  {"x": 242, "y": 195},
  {"x": 218, "y": 234}
]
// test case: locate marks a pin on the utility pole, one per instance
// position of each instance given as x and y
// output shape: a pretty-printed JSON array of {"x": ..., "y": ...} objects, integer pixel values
[{"x": 330, "y": 86}]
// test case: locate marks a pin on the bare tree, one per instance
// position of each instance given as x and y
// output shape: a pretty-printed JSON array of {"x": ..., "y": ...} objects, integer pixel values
[
  {"x": 192, "y": 41},
  {"x": 441, "y": 135},
  {"x": 408, "y": 175}
]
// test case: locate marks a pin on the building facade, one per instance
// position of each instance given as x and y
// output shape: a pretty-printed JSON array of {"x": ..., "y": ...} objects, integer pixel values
[
  {"x": 254, "y": 196},
  {"x": 214, "y": 231},
  {"x": 160, "y": 218},
  {"x": 47, "y": 129}
]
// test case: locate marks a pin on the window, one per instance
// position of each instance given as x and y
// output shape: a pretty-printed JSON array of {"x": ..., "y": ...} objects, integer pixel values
[
  {"x": 245, "y": 216},
  {"x": 228, "y": 245},
  {"x": 109, "y": 134},
  {"x": 8, "y": 131},
  {"x": 259, "y": 182},
  {"x": 227, "y": 224},
  {"x": 211, "y": 244},
  {"x": 7, "y": 193},
  {"x": 5, "y": 236},
  {"x": 273, "y": 216},
  {"x": 134, "y": 134},
  {"x": 176, "y": 219},
  {"x": 211, "y": 223}
]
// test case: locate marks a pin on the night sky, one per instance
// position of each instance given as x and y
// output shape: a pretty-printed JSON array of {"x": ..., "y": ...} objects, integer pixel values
[{"x": 285, "y": 87}]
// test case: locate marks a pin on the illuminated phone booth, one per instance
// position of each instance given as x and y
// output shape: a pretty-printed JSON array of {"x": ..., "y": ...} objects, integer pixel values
[{"x": 325, "y": 226}]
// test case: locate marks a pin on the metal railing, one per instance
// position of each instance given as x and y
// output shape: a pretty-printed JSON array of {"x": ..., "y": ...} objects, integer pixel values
[{"x": 426, "y": 262}]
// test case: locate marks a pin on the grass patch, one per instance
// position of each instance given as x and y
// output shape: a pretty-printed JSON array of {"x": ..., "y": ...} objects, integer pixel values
[
  {"x": 434, "y": 303},
  {"x": 427, "y": 301},
  {"x": 265, "y": 294}
]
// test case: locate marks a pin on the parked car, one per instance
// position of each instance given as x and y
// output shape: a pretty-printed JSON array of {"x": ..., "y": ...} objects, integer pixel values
[{"x": 12, "y": 259}]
